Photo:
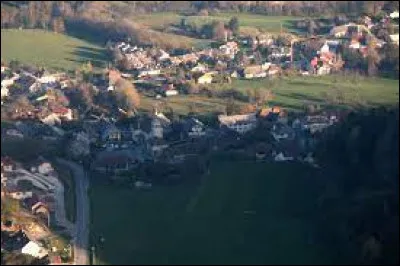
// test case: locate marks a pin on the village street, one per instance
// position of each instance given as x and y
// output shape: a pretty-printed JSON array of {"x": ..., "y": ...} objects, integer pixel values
[{"x": 81, "y": 233}]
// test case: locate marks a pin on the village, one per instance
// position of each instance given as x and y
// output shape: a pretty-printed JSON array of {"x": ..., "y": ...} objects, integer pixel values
[{"x": 40, "y": 106}]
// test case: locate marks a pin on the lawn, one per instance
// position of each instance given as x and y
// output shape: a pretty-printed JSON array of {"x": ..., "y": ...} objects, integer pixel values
[
  {"x": 242, "y": 213},
  {"x": 294, "y": 93},
  {"x": 49, "y": 49}
]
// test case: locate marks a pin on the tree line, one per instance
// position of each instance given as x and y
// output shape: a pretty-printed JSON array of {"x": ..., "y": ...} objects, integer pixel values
[{"x": 360, "y": 200}]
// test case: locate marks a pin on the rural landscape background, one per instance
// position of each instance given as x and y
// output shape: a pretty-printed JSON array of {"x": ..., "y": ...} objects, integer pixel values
[{"x": 225, "y": 206}]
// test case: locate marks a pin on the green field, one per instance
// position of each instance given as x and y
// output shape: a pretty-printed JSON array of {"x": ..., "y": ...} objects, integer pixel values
[
  {"x": 295, "y": 93},
  {"x": 52, "y": 50},
  {"x": 241, "y": 213},
  {"x": 248, "y": 22}
]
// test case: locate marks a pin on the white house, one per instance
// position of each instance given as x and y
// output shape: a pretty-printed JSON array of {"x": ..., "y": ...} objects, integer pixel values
[
  {"x": 148, "y": 72},
  {"x": 3, "y": 68},
  {"x": 7, "y": 82},
  {"x": 47, "y": 79},
  {"x": 394, "y": 14},
  {"x": 4, "y": 92},
  {"x": 395, "y": 38},
  {"x": 33, "y": 249},
  {"x": 170, "y": 93},
  {"x": 239, "y": 123}
]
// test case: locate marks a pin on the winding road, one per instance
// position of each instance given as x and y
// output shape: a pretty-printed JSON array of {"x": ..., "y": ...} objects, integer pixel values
[{"x": 81, "y": 230}]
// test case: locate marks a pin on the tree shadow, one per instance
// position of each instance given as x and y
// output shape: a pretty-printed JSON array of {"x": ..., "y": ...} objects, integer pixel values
[{"x": 98, "y": 57}]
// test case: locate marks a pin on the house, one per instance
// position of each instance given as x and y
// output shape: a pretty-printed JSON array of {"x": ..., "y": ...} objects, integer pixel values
[
  {"x": 199, "y": 68},
  {"x": 394, "y": 15},
  {"x": 317, "y": 123},
  {"x": 343, "y": 30},
  {"x": 4, "y": 92},
  {"x": 205, "y": 79},
  {"x": 193, "y": 128},
  {"x": 172, "y": 92},
  {"x": 7, "y": 82},
  {"x": 394, "y": 38},
  {"x": 45, "y": 168},
  {"x": 158, "y": 124},
  {"x": 4, "y": 68},
  {"x": 33, "y": 249},
  {"x": 282, "y": 131},
  {"x": 168, "y": 90},
  {"x": 64, "y": 113},
  {"x": 111, "y": 133},
  {"x": 238, "y": 123},
  {"x": 257, "y": 71},
  {"x": 51, "y": 120},
  {"x": 149, "y": 72},
  {"x": 20, "y": 195},
  {"x": 7, "y": 164}
]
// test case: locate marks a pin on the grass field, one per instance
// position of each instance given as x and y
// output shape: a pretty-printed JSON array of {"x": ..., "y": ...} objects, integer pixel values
[
  {"x": 241, "y": 213},
  {"x": 52, "y": 50},
  {"x": 295, "y": 93},
  {"x": 248, "y": 22}
]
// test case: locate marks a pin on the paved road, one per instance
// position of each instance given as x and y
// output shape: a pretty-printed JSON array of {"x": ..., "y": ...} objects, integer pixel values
[{"x": 81, "y": 232}]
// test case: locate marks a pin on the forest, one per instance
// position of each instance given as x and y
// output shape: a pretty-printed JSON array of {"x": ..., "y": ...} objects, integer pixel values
[{"x": 360, "y": 199}]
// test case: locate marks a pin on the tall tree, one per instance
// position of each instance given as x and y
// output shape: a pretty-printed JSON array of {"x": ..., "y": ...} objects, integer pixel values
[{"x": 233, "y": 25}]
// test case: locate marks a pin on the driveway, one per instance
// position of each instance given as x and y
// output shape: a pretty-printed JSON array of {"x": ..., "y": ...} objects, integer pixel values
[{"x": 81, "y": 232}]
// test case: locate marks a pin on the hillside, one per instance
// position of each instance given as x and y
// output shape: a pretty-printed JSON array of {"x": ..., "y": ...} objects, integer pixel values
[{"x": 49, "y": 49}]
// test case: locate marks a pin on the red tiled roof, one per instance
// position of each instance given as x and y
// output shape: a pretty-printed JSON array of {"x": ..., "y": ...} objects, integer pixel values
[{"x": 61, "y": 110}]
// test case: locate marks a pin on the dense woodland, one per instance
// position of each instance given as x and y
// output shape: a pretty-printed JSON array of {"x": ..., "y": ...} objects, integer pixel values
[{"x": 360, "y": 203}]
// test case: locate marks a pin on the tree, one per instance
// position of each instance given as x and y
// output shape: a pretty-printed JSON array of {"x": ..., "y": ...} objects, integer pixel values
[
  {"x": 373, "y": 58},
  {"x": 233, "y": 25},
  {"x": 218, "y": 30},
  {"x": 232, "y": 107},
  {"x": 127, "y": 97},
  {"x": 57, "y": 25},
  {"x": 79, "y": 146},
  {"x": 390, "y": 62}
]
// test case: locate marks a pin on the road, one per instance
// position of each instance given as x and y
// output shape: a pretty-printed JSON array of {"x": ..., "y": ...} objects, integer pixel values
[{"x": 81, "y": 231}]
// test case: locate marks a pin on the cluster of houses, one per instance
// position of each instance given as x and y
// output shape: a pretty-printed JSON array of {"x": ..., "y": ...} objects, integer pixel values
[
  {"x": 36, "y": 88},
  {"x": 148, "y": 138},
  {"x": 21, "y": 236}
]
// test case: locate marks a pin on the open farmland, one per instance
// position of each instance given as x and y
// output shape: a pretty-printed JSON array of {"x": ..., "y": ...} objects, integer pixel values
[
  {"x": 248, "y": 22},
  {"x": 240, "y": 213},
  {"x": 49, "y": 49},
  {"x": 295, "y": 93}
]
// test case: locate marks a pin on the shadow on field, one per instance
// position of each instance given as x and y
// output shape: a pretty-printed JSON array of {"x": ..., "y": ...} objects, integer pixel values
[
  {"x": 301, "y": 97},
  {"x": 97, "y": 57}
]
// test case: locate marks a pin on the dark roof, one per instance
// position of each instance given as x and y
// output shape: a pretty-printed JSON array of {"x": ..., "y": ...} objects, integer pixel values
[{"x": 29, "y": 202}]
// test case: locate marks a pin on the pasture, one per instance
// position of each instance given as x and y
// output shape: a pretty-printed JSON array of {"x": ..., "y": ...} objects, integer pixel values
[
  {"x": 49, "y": 49},
  {"x": 294, "y": 93},
  {"x": 242, "y": 213},
  {"x": 248, "y": 22}
]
